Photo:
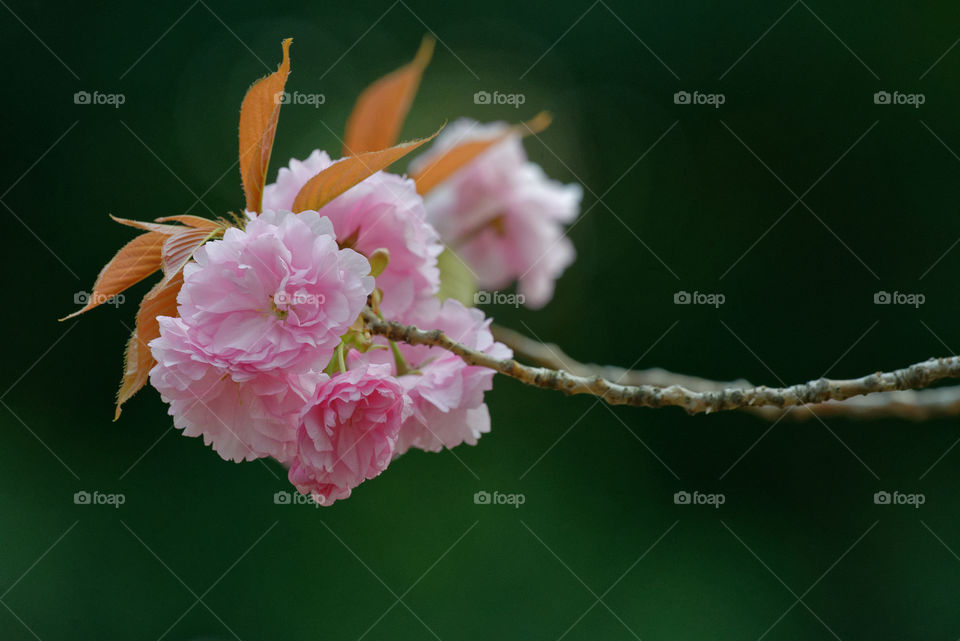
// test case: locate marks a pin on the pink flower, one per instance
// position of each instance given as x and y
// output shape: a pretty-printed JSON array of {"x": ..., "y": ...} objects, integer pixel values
[
  {"x": 383, "y": 211},
  {"x": 447, "y": 394},
  {"x": 348, "y": 433},
  {"x": 242, "y": 416},
  {"x": 277, "y": 295},
  {"x": 502, "y": 214}
]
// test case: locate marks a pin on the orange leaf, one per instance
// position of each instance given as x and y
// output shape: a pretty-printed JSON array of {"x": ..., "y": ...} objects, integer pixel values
[
  {"x": 347, "y": 172},
  {"x": 160, "y": 301},
  {"x": 259, "y": 113},
  {"x": 459, "y": 156},
  {"x": 379, "y": 112},
  {"x": 179, "y": 249},
  {"x": 157, "y": 227},
  {"x": 198, "y": 222},
  {"x": 135, "y": 261}
]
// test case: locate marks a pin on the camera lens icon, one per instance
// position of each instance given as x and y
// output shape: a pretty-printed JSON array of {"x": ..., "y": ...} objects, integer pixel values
[
  {"x": 281, "y": 498},
  {"x": 681, "y": 98},
  {"x": 482, "y": 498},
  {"x": 81, "y": 498},
  {"x": 681, "y": 498},
  {"x": 881, "y": 298},
  {"x": 482, "y": 98},
  {"x": 881, "y": 498},
  {"x": 681, "y": 298},
  {"x": 881, "y": 98}
]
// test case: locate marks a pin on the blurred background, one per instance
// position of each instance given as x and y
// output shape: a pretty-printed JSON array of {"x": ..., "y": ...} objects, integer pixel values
[{"x": 798, "y": 199}]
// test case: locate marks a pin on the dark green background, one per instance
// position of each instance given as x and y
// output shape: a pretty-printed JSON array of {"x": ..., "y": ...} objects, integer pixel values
[{"x": 600, "y": 492}]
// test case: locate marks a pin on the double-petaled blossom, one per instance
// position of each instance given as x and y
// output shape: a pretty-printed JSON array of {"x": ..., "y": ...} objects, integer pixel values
[
  {"x": 348, "y": 432},
  {"x": 383, "y": 211},
  {"x": 277, "y": 294},
  {"x": 243, "y": 416},
  {"x": 446, "y": 393},
  {"x": 261, "y": 312},
  {"x": 502, "y": 214}
]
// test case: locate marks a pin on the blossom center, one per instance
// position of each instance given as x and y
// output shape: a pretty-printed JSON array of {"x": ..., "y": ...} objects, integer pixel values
[{"x": 283, "y": 302}]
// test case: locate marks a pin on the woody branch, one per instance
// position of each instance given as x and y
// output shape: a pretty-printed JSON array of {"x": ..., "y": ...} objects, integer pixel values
[{"x": 662, "y": 388}]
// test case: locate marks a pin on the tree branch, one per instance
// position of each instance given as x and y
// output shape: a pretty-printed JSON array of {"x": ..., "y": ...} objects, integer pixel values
[
  {"x": 914, "y": 405},
  {"x": 915, "y": 376},
  {"x": 552, "y": 356}
]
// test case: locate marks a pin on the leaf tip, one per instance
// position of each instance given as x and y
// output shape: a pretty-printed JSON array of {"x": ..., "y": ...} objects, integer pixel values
[
  {"x": 425, "y": 52},
  {"x": 539, "y": 122},
  {"x": 285, "y": 45}
]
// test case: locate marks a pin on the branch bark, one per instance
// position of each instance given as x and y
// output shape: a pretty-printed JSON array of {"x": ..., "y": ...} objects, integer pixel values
[
  {"x": 913, "y": 405},
  {"x": 822, "y": 390},
  {"x": 552, "y": 356}
]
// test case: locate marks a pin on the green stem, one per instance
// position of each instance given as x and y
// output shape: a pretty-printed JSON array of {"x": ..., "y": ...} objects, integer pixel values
[
  {"x": 340, "y": 359},
  {"x": 401, "y": 362}
]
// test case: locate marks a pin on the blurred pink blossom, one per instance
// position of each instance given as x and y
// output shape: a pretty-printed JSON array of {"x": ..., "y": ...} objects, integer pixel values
[{"x": 502, "y": 214}]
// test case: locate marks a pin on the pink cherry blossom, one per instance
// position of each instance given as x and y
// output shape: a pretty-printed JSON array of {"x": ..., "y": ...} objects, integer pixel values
[
  {"x": 447, "y": 394},
  {"x": 502, "y": 214},
  {"x": 348, "y": 433},
  {"x": 276, "y": 295},
  {"x": 242, "y": 416},
  {"x": 383, "y": 211}
]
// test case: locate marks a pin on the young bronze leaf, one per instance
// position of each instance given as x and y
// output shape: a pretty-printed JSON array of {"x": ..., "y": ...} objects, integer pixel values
[
  {"x": 459, "y": 156},
  {"x": 198, "y": 222},
  {"x": 259, "y": 113},
  {"x": 179, "y": 249},
  {"x": 381, "y": 109},
  {"x": 135, "y": 261},
  {"x": 347, "y": 172},
  {"x": 157, "y": 227},
  {"x": 160, "y": 301}
]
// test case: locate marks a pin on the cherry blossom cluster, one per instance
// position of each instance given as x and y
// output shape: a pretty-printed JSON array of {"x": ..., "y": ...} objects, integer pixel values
[{"x": 268, "y": 356}]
